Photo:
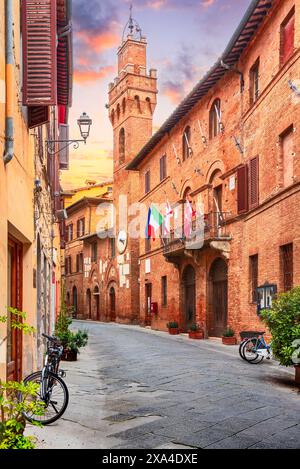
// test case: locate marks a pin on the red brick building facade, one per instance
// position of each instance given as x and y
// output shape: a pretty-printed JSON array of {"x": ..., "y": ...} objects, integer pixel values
[
  {"x": 132, "y": 101},
  {"x": 90, "y": 251},
  {"x": 231, "y": 149}
]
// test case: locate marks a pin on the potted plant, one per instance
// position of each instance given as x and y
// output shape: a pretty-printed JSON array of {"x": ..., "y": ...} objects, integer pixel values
[
  {"x": 196, "y": 332},
  {"x": 75, "y": 341},
  {"x": 283, "y": 321},
  {"x": 72, "y": 341},
  {"x": 173, "y": 327},
  {"x": 229, "y": 337}
]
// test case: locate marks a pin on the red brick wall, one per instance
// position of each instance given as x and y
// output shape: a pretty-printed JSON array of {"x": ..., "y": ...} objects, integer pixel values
[{"x": 262, "y": 231}]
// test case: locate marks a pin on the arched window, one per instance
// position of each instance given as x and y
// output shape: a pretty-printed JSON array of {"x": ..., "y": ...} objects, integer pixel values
[
  {"x": 186, "y": 143},
  {"x": 124, "y": 105},
  {"x": 215, "y": 119},
  {"x": 118, "y": 111},
  {"x": 148, "y": 101},
  {"x": 138, "y": 103},
  {"x": 113, "y": 117},
  {"x": 122, "y": 146}
]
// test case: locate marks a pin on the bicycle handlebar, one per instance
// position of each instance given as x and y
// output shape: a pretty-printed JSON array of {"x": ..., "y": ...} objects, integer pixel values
[{"x": 51, "y": 339}]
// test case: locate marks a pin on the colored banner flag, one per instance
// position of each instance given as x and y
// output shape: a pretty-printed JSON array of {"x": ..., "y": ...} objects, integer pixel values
[
  {"x": 188, "y": 219},
  {"x": 167, "y": 220},
  {"x": 155, "y": 220}
]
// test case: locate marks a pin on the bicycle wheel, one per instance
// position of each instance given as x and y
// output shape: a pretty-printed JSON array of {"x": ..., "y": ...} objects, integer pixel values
[
  {"x": 241, "y": 347},
  {"x": 57, "y": 402},
  {"x": 249, "y": 351}
]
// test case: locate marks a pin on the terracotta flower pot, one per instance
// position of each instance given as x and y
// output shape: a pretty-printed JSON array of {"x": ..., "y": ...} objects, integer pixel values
[
  {"x": 69, "y": 356},
  {"x": 229, "y": 340},
  {"x": 173, "y": 331},
  {"x": 196, "y": 335},
  {"x": 297, "y": 374}
]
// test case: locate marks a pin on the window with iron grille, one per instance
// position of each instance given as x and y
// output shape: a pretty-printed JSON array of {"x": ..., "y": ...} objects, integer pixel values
[
  {"x": 94, "y": 252},
  {"x": 287, "y": 267},
  {"x": 253, "y": 277},
  {"x": 163, "y": 168},
  {"x": 254, "y": 82},
  {"x": 164, "y": 289},
  {"x": 147, "y": 182},
  {"x": 287, "y": 37}
]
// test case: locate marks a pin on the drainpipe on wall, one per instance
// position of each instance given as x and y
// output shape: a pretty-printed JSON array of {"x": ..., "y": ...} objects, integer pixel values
[{"x": 9, "y": 80}]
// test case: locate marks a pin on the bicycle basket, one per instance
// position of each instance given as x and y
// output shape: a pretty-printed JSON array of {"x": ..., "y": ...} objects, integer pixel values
[{"x": 250, "y": 334}]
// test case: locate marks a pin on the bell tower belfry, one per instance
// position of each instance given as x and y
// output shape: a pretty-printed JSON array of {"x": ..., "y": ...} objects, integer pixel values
[
  {"x": 132, "y": 97},
  {"x": 132, "y": 101}
]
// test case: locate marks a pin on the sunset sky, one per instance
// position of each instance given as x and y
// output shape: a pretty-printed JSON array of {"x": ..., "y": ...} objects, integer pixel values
[{"x": 185, "y": 38}]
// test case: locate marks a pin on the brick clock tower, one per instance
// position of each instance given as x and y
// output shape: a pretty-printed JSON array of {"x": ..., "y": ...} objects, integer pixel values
[{"x": 132, "y": 101}]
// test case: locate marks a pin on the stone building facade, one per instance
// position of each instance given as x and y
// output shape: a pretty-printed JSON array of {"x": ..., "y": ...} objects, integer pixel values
[
  {"x": 89, "y": 251},
  {"x": 229, "y": 151}
]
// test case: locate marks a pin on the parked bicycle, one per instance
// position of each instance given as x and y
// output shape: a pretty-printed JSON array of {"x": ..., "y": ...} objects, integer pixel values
[
  {"x": 255, "y": 349},
  {"x": 53, "y": 391}
]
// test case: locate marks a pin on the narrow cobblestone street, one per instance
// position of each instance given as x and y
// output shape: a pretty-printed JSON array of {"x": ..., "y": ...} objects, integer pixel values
[{"x": 135, "y": 388}]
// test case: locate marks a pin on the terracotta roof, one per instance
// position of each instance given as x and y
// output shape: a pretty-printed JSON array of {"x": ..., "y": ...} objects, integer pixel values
[
  {"x": 252, "y": 19},
  {"x": 86, "y": 201}
]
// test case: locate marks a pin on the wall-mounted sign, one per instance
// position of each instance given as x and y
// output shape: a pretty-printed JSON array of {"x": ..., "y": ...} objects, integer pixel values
[{"x": 265, "y": 296}]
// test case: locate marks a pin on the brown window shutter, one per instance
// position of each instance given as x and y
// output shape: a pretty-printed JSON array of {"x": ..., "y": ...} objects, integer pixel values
[
  {"x": 242, "y": 176},
  {"x": 39, "y": 52},
  {"x": 38, "y": 115},
  {"x": 64, "y": 150},
  {"x": 288, "y": 37},
  {"x": 254, "y": 182}
]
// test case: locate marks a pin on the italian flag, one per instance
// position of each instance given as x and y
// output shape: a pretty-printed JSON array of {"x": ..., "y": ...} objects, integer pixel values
[{"x": 155, "y": 220}]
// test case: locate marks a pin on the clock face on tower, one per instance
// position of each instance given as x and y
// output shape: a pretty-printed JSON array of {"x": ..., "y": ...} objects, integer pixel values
[{"x": 122, "y": 241}]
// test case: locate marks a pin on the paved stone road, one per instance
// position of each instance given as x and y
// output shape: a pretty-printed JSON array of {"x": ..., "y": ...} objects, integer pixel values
[{"x": 134, "y": 388}]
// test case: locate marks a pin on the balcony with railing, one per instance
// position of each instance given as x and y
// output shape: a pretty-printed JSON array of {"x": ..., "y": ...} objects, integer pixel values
[{"x": 211, "y": 227}]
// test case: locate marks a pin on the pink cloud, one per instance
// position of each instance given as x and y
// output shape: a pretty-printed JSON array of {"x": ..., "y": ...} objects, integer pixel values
[{"x": 84, "y": 76}]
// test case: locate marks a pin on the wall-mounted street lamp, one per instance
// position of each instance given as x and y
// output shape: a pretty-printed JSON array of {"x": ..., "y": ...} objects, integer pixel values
[{"x": 84, "y": 124}]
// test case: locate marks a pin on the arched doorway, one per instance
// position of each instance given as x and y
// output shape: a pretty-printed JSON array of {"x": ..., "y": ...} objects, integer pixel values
[
  {"x": 112, "y": 304},
  {"x": 189, "y": 296},
  {"x": 218, "y": 309},
  {"x": 89, "y": 303},
  {"x": 75, "y": 302},
  {"x": 97, "y": 303}
]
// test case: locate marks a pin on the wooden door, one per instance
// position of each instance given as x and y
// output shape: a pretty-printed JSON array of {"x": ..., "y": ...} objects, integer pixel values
[
  {"x": 219, "y": 298},
  {"x": 112, "y": 300},
  {"x": 15, "y": 296},
  {"x": 148, "y": 315},
  {"x": 189, "y": 306}
]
